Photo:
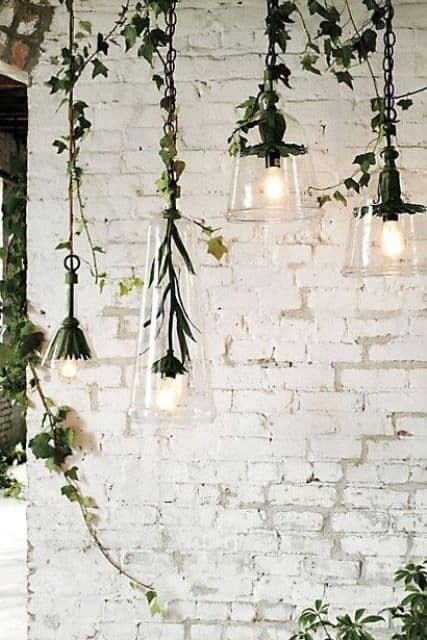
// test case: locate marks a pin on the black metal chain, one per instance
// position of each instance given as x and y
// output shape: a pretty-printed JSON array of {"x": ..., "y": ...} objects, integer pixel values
[
  {"x": 390, "y": 113},
  {"x": 271, "y": 59},
  {"x": 170, "y": 127}
]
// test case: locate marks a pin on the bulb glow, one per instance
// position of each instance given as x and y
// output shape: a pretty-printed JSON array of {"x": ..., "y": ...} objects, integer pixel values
[
  {"x": 392, "y": 240},
  {"x": 169, "y": 394},
  {"x": 69, "y": 369},
  {"x": 273, "y": 184}
]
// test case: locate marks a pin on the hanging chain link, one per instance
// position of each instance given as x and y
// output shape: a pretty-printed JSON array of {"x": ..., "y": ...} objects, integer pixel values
[
  {"x": 390, "y": 113},
  {"x": 170, "y": 127},
  {"x": 271, "y": 59}
]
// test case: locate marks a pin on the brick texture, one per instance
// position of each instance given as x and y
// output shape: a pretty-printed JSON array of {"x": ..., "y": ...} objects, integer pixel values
[{"x": 314, "y": 473}]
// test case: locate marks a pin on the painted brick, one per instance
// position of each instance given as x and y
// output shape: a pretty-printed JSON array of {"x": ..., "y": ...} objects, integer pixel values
[{"x": 302, "y": 480}]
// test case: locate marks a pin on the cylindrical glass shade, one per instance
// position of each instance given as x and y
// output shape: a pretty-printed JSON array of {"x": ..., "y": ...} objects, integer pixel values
[
  {"x": 262, "y": 193},
  {"x": 185, "y": 397},
  {"x": 389, "y": 247}
]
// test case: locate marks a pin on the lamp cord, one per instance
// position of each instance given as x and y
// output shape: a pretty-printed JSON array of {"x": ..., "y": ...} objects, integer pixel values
[
  {"x": 390, "y": 113},
  {"x": 71, "y": 141},
  {"x": 170, "y": 127}
]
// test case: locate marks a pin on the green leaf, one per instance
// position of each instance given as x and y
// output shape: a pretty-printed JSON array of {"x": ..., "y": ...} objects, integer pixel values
[
  {"x": 99, "y": 69},
  {"x": 344, "y": 77},
  {"x": 146, "y": 51},
  {"x": 60, "y": 145},
  {"x": 151, "y": 595},
  {"x": 130, "y": 35},
  {"x": 217, "y": 248},
  {"x": 63, "y": 245},
  {"x": 51, "y": 464},
  {"x": 322, "y": 200},
  {"x": 86, "y": 26},
  {"x": 70, "y": 492},
  {"x": 7, "y": 354},
  {"x": 308, "y": 61},
  {"x": 89, "y": 517},
  {"x": 365, "y": 161},
  {"x": 179, "y": 168},
  {"x": 405, "y": 103},
  {"x": 40, "y": 446},
  {"x": 158, "y": 80},
  {"x": 72, "y": 473},
  {"x": 338, "y": 196}
]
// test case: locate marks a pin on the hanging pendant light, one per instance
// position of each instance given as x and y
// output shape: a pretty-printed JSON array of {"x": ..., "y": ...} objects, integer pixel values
[
  {"x": 171, "y": 377},
  {"x": 388, "y": 236},
  {"x": 271, "y": 177},
  {"x": 69, "y": 350}
]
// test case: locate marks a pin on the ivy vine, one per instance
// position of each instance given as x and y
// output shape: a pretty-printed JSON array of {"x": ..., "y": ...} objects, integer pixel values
[
  {"x": 339, "y": 43},
  {"x": 336, "y": 44}
]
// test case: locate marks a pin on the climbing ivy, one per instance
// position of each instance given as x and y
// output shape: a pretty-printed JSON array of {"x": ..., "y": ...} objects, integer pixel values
[{"x": 336, "y": 44}]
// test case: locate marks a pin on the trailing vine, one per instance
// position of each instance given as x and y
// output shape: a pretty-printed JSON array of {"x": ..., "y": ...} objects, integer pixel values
[
  {"x": 56, "y": 443},
  {"x": 82, "y": 54},
  {"x": 341, "y": 45},
  {"x": 140, "y": 27}
]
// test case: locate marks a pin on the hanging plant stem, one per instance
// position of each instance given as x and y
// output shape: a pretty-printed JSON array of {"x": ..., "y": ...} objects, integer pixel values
[
  {"x": 56, "y": 444},
  {"x": 76, "y": 58}
]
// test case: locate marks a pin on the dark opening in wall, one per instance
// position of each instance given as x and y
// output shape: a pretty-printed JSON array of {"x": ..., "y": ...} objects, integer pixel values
[{"x": 13, "y": 293}]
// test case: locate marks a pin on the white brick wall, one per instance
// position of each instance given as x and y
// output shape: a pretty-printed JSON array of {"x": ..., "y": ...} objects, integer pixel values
[{"x": 303, "y": 480}]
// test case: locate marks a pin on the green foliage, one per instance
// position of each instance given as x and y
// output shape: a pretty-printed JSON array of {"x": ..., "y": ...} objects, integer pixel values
[
  {"x": 84, "y": 52},
  {"x": 10, "y": 487},
  {"x": 411, "y": 613},
  {"x": 127, "y": 285},
  {"x": 342, "y": 45},
  {"x": 315, "y": 623}
]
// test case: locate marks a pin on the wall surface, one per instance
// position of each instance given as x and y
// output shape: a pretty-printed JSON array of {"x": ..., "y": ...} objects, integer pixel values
[{"x": 312, "y": 481}]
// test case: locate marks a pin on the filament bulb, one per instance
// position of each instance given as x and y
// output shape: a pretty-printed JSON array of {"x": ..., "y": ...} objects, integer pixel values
[
  {"x": 169, "y": 394},
  {"x": 273, "y": 184},
  {"x": 69, "y": 369},
  {"x": 392, "y": 239}
]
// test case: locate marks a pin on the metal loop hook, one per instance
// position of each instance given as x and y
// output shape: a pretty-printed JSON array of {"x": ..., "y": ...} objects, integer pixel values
[{"x": 72, "y": 263}]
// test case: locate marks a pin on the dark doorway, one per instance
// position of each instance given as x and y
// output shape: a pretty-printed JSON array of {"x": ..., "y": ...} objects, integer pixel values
[{"x": 13, "y": 161}]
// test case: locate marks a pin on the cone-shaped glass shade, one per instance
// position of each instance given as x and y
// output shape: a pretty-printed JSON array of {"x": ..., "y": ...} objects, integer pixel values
[
  {"x": 378, "y": 246},
  {"x": 159, "y": 392},
  {"x": 69, "y": 351},
  {"x": 278, "y": 193}
]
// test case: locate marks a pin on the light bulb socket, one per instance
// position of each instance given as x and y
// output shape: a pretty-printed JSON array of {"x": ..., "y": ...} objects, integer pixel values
[
  {"x": 272, "y": 159},
  {"x": 390, "y": 217}
]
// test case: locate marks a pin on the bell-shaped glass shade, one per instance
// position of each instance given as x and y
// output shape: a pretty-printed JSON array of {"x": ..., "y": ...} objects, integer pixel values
[
  {"x": 69, "y": 351},
  {"x": 279, "y": 193},
  {"x": 379, "y": 246},
  {"x": 161, "y": 390}
]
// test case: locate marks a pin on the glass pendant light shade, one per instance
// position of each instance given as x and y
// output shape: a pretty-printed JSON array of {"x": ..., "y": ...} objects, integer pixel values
[
  {"x": 69, "y": 350},
  {"x": 160, "y": 392},
  {"x": 389, "y": 237},
  {"x": 273, "y": 188},
  {"x": 379, "y": 246}
]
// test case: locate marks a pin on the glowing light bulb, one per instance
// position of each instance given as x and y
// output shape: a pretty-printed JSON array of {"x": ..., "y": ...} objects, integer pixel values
[
  {"x": 169, "y": 394},
  {"x": 273, "y": 184},
  {"x": 392, "y": 239},
  {"x": 69, "y": 369}
]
